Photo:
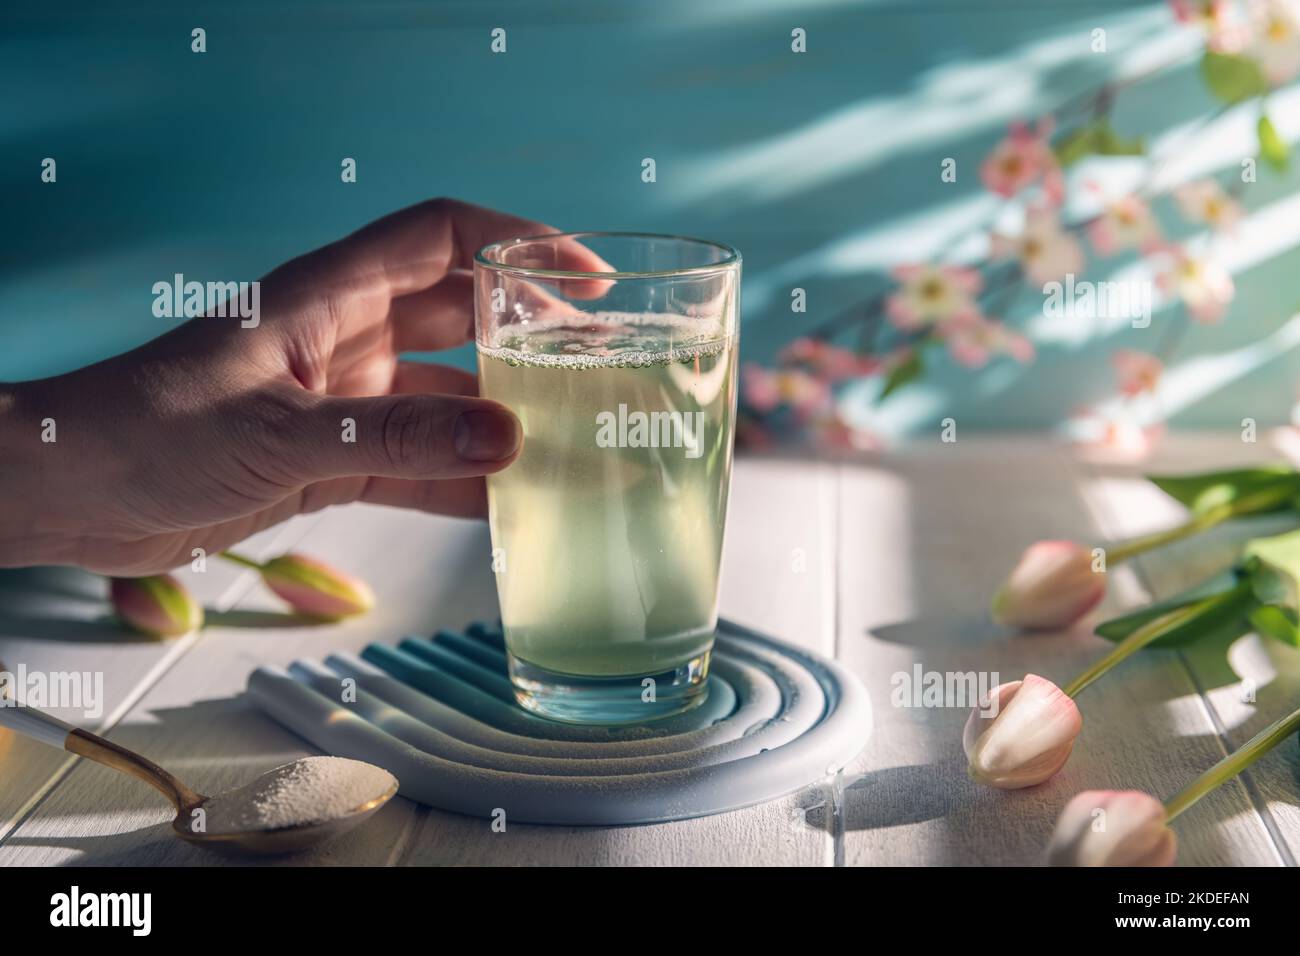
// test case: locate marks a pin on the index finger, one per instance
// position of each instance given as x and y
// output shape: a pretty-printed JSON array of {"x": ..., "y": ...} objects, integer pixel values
[{"x": 412, "y": 249}]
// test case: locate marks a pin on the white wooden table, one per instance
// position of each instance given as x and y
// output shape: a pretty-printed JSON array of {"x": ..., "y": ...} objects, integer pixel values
[{"x": 882, "y": 561}]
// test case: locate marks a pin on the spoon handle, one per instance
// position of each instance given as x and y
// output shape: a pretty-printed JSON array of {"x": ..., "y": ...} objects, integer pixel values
[{"x": 48, "y": 729}]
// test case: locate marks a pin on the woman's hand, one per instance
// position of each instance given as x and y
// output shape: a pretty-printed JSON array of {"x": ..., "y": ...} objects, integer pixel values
[{"x": 215, "y": 431}]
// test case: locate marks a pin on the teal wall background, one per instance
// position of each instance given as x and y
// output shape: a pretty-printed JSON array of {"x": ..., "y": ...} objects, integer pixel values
[{"x": 822, "y": 168}]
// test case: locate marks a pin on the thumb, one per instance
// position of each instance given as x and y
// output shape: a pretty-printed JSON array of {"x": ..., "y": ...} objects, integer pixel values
[{"x": 402, "y": 436}]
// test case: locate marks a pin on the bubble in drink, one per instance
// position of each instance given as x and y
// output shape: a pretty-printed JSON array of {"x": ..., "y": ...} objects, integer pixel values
[{"x": 610, "y": 523}]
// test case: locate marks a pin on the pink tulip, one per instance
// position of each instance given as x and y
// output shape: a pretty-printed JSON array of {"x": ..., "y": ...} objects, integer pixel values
[
  {"x": 315, "y": 589},
  {"x": 1022, "y": 734},
  {"x": 1052, "y": 586},
  {"x": 158, "y": 605},
  {"x": 1113, "y": 828}
]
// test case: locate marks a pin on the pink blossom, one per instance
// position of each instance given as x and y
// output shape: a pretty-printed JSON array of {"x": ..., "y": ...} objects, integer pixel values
[
  {"x": 1119, "y": 438},
  {"x": 1125, "y": 223},
  {"x": 828, "y": 362},
  {"x": 1021, "y": 158},
  {"x": 1204, "y": 286},
  {"x": 1052, "y": 586},
  {"x": 1045, "y": 250},
  {"x": 1200, "y": 12},
  {"x": 1224, "y": 30},
  {"x": 1138, "y": 371},
  {"x": 1022, "y": 734},
  {"x": 973, "y": 341},
  {"x": 760, "y": 386},
  {"x": 833, "y": 432},
  {"x": 1275, "y": 40},
  {"x": 766, "y": 389},
  {"x": 1113, "y": 828},
  {"x": 1205, "y": 201},
  {"x": 805, "y": 393},
  {"x": 932, "y": 294},
  {"x": 803, "y": 349}
]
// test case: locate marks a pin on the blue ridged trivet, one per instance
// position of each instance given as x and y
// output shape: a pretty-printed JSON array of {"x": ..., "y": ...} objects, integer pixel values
[{"x": 440, "y": 715}]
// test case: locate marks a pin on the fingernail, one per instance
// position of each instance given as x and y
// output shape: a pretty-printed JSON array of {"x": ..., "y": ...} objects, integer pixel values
[{"x": 486, "y": 435}]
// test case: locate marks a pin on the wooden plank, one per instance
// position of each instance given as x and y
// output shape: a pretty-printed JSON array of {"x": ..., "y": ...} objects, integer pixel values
[
  {"x": 57, "y": 620},
  {"x": 927, "y": 534},
  {"x": 1253, "y": 681},
  {"x": 194, "y": 721},
  {"x": 778, "y": 567},
  {"x": 427, "y": 572}
]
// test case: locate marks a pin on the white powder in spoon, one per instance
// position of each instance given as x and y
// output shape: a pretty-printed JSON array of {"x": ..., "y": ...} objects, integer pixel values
[{"x": 311, "y": 790}]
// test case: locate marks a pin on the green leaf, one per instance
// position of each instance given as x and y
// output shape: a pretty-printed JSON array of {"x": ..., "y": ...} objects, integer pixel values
[
  {"x": 1278, "y": 623},
  {"x": 1229, "y": 619},
  {"x": 902, "y": 373},
  {"x": 1107, "y": 142},
  {"x": 1261, "y": 594},
  {"x": 1231, "y": 77},
  {"x": 1272, "y": 147},
  {"x": 1273, "y": 567},
  {"x": 1207, "y": 490},
  {"x": 1074, "y": 146},
  {"x": 1097, "y": 137}
]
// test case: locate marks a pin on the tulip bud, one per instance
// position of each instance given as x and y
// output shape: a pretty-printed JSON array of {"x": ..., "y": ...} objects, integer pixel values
[
  {"x": 158, "y": 605},
  {"x": 315, "y": 589},
  {"x": 1022, "y": 735},
  {"x": 1113, "y": 828},
  {"x": 1052, "y": 586}
]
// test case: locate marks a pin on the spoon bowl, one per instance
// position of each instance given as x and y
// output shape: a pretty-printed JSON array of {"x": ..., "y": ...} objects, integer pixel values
[
  {"x": 250, "y": 840},
  {"x": 279, "y": 840}
]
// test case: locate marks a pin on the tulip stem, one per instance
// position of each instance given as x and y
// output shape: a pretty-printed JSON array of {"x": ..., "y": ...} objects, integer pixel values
[
  {"x": 1246, "y": 504},
  {"x": 1233, "y": 764},
  {"x": 240, "y": 559},
  {"x": 1140, "y": 638}
]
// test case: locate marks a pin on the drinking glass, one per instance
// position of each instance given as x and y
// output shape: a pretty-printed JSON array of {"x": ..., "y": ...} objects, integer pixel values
[{"x": 618, "y": 353}]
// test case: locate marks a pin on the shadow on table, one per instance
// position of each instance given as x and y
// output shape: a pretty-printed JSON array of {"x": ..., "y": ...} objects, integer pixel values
[
  {"x": 105, "y": 629},
  {"x": 67, "y": 604},
  {"x": 206, "y": 744},
  {"x": 257, "y": 620},
  {"x": 963, "y": 630},
  {"x": 142, "y": 847},
  {"x": 896, "y": 796},
  {"x": 218, "y": 734}
]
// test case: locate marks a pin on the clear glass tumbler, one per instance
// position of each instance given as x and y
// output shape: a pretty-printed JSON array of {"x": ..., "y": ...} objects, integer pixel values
[{"x": 618, "y": 353}]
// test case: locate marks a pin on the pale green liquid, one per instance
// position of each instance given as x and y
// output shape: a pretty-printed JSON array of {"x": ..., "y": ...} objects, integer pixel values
[{"x": 607, "y": 557}]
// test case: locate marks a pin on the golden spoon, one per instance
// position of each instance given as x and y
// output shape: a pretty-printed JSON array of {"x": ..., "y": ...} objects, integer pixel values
[{"x": 279, "y": 839}]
